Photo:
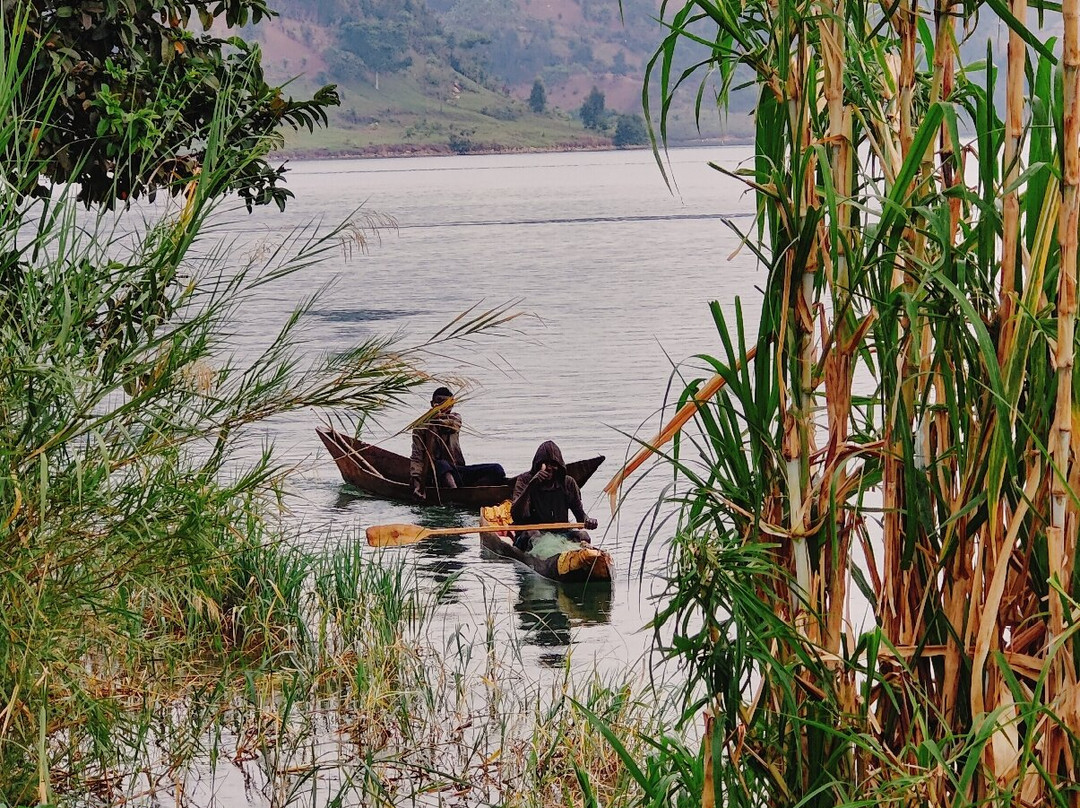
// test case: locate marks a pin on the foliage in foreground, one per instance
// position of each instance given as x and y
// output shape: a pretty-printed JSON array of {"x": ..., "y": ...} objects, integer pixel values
[
  {"x": 161, "y": 632},
  {"x": 325, "y": 688},
  {"x": 129, "y": 508},
  {"x": 122, "y": 96},
  {"x": 126, "y": 514},
  {"x": 895, "y": 434}
]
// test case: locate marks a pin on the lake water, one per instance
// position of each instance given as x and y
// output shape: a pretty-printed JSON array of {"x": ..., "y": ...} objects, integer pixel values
[{"x": 615, "y": 273}]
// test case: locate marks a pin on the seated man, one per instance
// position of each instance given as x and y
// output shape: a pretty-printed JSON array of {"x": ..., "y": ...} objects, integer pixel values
[
  {"x": 546, "y": 493},
  {"x": 436, "y": 452}
]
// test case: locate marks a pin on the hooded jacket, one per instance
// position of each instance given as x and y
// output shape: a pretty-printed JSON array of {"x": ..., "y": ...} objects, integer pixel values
[{"x": 536, "y": 502}]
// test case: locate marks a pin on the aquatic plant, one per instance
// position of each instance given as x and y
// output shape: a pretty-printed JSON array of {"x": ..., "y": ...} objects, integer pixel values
[
  {"x": 144, "y": 562},
  {"x": 897, "y": 427},
  {"x": 163, "y": 630}
]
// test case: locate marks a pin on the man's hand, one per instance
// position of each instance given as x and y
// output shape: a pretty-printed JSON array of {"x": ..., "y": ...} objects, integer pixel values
[
  {"x": 590, "y": 523},
  {"x": 418, "y": 488},
  {"x": 544, "y": 474}
]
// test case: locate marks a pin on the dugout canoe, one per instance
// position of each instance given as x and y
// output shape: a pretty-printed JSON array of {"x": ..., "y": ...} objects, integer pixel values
[
  {"x": 587, "y": 564},
  {"x": 385, "y": 474}
]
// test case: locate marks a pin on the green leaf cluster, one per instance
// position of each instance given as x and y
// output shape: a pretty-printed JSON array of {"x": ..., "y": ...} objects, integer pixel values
[
  {"x": 883, "y": 439},
  {"x": 122, "y": 94}
]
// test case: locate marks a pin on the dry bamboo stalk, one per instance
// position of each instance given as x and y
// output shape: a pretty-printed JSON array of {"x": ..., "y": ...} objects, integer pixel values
[
  {"x": 838, "y": 373},
  {"x": 894, "y": 612},
  {"x": 941, "y": 90},
  {"x": 708, "y": 791},
  {"x": 798, "y": 431},
  {"x": 1061, "y": 533},
  {"x": 1014, "y": 107},
  {"x": 907, "y": 15},
  {"x": 1067, "y": 226},
  {"x": 987, "y": 622}
]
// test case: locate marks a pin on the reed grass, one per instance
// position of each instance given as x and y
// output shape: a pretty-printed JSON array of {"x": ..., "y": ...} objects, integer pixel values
[
  {"x": 163, "y": 634},
  {"x": 897, "y": 427},
  {"x": 376, "y": 710}
]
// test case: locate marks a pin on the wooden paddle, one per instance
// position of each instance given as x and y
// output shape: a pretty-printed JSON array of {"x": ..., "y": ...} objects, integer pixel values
[{"x": 401, "y": 535}]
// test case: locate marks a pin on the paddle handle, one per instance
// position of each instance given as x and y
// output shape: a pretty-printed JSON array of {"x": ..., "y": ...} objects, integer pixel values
[{"x": 457, "y": 531}]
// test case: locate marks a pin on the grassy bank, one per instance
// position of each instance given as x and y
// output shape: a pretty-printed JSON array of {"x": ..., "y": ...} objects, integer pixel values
[
  {"x": 423, "y": 111},
  {"x": 426, "y": 110},
  {"x": 320, "y": 684},
  {"x": 163, "y": 635}
]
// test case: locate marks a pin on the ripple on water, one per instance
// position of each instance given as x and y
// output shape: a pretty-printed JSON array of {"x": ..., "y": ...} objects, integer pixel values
[{"x": 618, "y": 272}]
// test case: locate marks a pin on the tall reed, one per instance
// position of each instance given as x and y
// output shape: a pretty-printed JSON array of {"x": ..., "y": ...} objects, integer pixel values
[
  {"x": 131, "y": 541},
  {"x": 900, "y": 418}
]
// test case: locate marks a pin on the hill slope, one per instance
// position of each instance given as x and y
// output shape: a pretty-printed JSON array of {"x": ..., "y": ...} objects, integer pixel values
[{"x": 455, "y": 75}]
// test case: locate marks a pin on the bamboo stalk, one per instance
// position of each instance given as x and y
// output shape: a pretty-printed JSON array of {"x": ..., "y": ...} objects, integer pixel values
[
  {"x": 895, "y": 617},
  {"x": 966, "y": 507},
  {"x": 837, "y": 362},
  {"x": 935, "y": 428},
  {"x": 1061, "y": 533},
  {"x": 1067, "y": 242},
  {"x": 986, "y": 624},
  {"x": 1067, "y": 224},
  {"x": 798, "y": 440}
]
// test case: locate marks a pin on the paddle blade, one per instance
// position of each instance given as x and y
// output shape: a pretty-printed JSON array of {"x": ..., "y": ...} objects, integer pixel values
[{"x": 395, "y": 535}]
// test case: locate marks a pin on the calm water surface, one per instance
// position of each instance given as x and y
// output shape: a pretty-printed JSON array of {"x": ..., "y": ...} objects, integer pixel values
[{"x": 615, "y": 272}]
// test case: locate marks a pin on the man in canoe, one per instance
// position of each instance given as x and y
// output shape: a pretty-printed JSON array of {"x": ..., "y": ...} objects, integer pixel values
[
  {"x": 436, "y": 452},
  {"x": 546, "y": 493}
]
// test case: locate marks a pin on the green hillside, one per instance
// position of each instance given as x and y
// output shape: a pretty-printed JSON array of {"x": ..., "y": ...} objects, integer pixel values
[
  {"x": 441, "y": 76},
  {"x": 430, "y": 76}
]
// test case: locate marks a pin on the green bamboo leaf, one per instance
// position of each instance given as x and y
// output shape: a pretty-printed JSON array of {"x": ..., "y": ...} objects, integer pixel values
[
  {"x": 1041, "y": 151},
  {"x": 926, "y": 37},
  {"x": 894, "y": 206},
  {"x": 952, "y": 127},
  {"x": 1002, "y": 10},
  {"x": 832, "y": 201},
  {"x": 587, "y": 793},
  {"x": 1027, "y": 176},
  {"x": 620, "y": 750},
  {"x": 1002, "y": 453}
]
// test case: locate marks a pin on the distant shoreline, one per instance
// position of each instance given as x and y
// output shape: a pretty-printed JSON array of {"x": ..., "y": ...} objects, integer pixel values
[{"x": 442, "y": 150}]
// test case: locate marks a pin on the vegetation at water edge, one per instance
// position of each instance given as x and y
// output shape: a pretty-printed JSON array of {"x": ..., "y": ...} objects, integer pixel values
[
  {"x": 162, "y": 628},
  {"x": 895, "y": 433}
]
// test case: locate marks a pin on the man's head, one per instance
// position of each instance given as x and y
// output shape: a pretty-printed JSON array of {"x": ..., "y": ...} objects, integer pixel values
[{"x": 440, "y": 397}]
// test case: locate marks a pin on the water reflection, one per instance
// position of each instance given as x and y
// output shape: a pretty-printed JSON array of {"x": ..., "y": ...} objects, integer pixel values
[
  {"x": 346, "y": 497},
  {"x": 441, "y": 558},
  {"x": 548, "y": 611},
  {"x": 364, "y": 315}
]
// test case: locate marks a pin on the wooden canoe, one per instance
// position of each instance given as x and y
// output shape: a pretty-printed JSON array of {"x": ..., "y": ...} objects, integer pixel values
[
  {"x": 587, "y": 564},
  {"x": 386, "y": 474}
]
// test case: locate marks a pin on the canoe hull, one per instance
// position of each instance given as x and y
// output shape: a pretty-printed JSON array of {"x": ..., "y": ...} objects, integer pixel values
[
  {"x": 385, "y": 474},
  {"x": 586, "y": 565}
]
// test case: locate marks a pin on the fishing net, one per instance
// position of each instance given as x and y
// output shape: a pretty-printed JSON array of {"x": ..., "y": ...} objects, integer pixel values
[{"x": 547, "y": 545}]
